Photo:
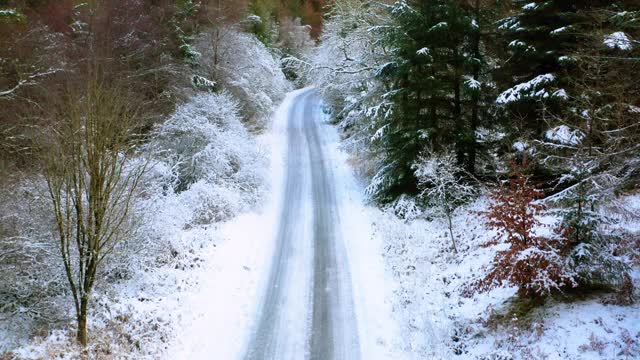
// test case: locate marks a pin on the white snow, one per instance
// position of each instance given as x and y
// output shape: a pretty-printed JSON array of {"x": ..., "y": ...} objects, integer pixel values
[
  {"x": 423, "y": 51},
  {"x": 517, "y": 43},
  {"x": 439, "y": 26},
  {"x": 560, "y": 93},
  {"x": 254, "y": 19},
  {"x": 562, "y": 134},
  {"x": 618, "y": 40},
  {"x": 202, "y": 82},
  {"x": 560, "y": 30},
  {"x": 218, "y": 316},
  {"x": 565, "y": 59},
  {"x": 531, "y": 88},
  {"x": 509, "y": 23},
  {"x": 473, "y": 84}
]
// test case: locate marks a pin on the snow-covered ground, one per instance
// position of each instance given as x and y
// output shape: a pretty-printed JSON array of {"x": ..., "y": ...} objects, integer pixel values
[
  {"x": 439, "y": 323},
  {"x": 218, "y": 314},
  {"x": 405, "y": 282}
]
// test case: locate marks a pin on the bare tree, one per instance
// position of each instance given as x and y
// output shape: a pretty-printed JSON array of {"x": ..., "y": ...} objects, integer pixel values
[
  {"x": 91, "y": 182},
  {"x": 220, "y": 17},
  {"x": 444, "y": 187}
]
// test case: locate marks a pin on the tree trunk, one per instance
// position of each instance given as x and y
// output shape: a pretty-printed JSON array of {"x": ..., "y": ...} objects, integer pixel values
[
  {"x": 82, "y": 321},
  {"x": 473, "y": 146},
  {"x": 453, "y": 241},
  {"x": 457, "y": 110}
]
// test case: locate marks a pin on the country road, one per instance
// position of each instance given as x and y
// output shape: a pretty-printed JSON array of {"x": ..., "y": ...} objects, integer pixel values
[{"x": 307, "y": 307}]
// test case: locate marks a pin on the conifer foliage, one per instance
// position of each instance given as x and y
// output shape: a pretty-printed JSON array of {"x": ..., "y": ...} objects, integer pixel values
[
  {"x": 537, "y": 40},
  {"x": 488, "y": 80},
  {"x": 481, "y": 83},
  {"x": 434, "y": 88}
]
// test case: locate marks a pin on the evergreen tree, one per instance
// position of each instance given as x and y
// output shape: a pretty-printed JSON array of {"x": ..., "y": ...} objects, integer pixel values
[
  {"x": 417, "y": 94},
  {"x": 478, "y": 87},
  {"x": 596, "y": 144},
  {"x": 436, "y": 90},
  {"x": 604, "y": 108},
  {"x": 267, "y": 13},
  {"x": 537, "y": 40},
  {"x": 590, "y": 251}
]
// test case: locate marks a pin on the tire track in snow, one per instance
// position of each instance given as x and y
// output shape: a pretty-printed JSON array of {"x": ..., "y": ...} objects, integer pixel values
[
  {"x": 330, "y": 327},
  {"x": 268, "y": 341},
  {"x": 333, "y": 322}
]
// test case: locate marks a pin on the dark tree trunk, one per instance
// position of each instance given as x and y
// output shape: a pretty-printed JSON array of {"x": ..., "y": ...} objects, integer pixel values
[
  {"x": 82, "y": 321},
  {"x": 457, "y": 110},
  {"x": 472, "y": 147}
]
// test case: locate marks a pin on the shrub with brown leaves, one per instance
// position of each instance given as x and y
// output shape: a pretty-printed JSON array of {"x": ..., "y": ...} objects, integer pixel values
[{"x": 535, "y": 264}]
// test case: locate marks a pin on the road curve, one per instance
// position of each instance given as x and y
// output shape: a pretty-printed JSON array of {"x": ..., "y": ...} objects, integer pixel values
[{"x": 307, "y": 307}]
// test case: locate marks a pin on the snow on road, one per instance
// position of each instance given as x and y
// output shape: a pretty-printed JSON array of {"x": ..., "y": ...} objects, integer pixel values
[
  {"x": 217, "y": 317},
  {"x": 302, "y": 277},
  {"x": 372, "y": 286}
]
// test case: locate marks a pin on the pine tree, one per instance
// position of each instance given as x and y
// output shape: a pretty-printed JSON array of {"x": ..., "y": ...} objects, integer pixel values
[
  {"x": 426, "y": 81},
  {"x": 589, "y": 250},
  {"x": 478, "y": 88},
  {"x": 537, "y": 40},
  {"x": 605, "y": 108},
  {"x": 414, "y": 90},
  {"x": 596, "y": 140},
  {"x": 267, "y": 13}
]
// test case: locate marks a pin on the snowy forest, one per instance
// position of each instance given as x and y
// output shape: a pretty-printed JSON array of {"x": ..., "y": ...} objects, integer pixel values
[{"x": 344, "y": 179}]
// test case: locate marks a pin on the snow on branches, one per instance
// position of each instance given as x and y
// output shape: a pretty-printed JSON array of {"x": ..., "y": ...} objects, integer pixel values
[
  {"x": 208, "y": 148},
  {"x": 534, "y": 263},
  {"x": 443, "y": 187}
]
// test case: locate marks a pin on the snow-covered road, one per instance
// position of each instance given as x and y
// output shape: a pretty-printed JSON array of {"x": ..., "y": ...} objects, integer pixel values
[
  {"x": 303, "y": 277},
  {"x": 308, "y": 304}
]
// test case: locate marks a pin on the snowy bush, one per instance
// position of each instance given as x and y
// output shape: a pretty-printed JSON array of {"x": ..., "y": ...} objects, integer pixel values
[
  {"x": 211, "y": 203},
  {"x": 32, "y": 278},
  {"x": 245, "y": 67},
  {"x": 535, "y": 264},
  {"x": 442, "y": 186},
  {"x": 205, "y": 142}
]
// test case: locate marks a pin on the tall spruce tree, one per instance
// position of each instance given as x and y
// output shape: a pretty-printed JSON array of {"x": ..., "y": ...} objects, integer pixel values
[
  {"x": 418, "y": 95},
  {"x": 436, "y": 90},
  {"x": 478, "y": 87},
  {"x": 597, "y": 123}
]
